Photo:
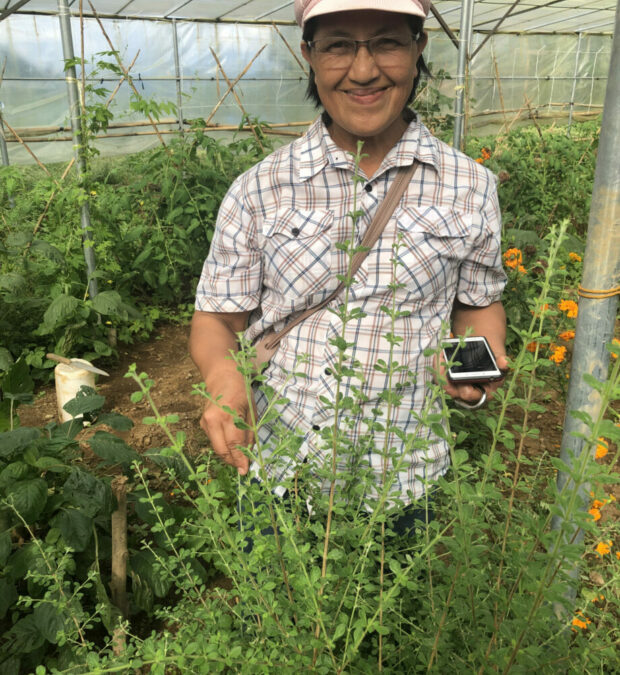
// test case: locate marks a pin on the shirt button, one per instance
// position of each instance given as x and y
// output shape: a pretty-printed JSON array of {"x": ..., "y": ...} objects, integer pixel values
[
  {"x": 368, "y": 187},
  {"x": 328, "y": 371},
  {"x": 295, "y": 231},
  {"x": 316, "y": 427}
]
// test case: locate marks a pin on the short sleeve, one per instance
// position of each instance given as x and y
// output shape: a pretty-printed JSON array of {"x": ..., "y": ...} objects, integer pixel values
[
  {"x": 231, "y": 278},
  {"x": 482, "y": 277}
]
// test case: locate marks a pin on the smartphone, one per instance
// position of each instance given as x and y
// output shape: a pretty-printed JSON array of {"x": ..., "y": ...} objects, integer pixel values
[{"x": 472, "y": 360}]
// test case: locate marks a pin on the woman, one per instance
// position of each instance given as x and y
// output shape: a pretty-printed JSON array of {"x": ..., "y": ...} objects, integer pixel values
[{"x": 274, "y": 252}]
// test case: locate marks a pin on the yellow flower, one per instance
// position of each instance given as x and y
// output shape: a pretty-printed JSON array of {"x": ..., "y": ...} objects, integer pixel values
[
  {"x": 93, "y": 193},
  {"x": 604, "y": 547},
  {"x": 559, "y": 354},
  {"x": 567, "y": 335},
  {"x": 570, "y": 307},
  {"x": 595, "y": 513},
  {"x": 575, "y": 257},
  {"x": 601, "y": 449},
  {"x": 513, "y": 258}
]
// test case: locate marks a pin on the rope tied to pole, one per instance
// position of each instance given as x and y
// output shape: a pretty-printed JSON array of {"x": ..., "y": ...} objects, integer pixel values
[{"x": 596, "y": 293}]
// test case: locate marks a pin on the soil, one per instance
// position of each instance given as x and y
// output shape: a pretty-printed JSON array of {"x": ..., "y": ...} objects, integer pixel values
[{"x": 165, "y": 358}]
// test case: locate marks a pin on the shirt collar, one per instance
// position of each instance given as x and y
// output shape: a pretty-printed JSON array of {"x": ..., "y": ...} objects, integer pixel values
[{"x": 319, "y": 150}]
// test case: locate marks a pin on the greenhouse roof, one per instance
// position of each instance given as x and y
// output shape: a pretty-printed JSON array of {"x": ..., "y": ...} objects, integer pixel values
[{"x": 517, "y": 16}]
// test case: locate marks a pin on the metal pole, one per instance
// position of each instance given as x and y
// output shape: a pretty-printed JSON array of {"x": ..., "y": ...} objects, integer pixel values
[
  {"x": 467, "y": 21},
  {"x": 74, "y": 111},
  {"x": 177, "y": 72},
  {"x": 601, "y": 268},
  {"x": 3, "y": 150},
  {"x": 572, "y": 95}
]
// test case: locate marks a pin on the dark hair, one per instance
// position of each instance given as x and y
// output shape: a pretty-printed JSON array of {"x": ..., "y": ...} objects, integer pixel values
[{"x": 416, "y": 26}]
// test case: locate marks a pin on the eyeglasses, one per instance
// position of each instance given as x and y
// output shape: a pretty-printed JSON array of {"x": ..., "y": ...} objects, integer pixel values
[{"x": 340, "y": 52}]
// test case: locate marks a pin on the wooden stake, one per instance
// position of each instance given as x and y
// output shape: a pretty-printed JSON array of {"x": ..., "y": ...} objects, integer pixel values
[
  {"x": 234, "y": 93},
  {"x": 243, "y": 72},
  {"x": 36, "y": 159},
  {"x": 126, "y": 73},
  {"x": 299, "y": 62},
  {"x": 120, "y": 82},
  {"x": 118, "y": 581}
]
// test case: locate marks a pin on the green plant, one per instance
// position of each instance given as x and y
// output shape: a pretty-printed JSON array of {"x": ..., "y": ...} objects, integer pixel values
[{"x": 334, "y": 590}]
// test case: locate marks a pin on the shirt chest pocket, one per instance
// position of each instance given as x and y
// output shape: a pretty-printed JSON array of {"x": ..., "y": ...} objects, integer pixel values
[
  {"x": 297, "y": 251},
  {"x": 430, "y": 245}
]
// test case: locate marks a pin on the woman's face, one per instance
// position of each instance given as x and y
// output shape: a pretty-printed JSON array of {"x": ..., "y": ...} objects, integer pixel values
[{"x": 364, "y": 94}]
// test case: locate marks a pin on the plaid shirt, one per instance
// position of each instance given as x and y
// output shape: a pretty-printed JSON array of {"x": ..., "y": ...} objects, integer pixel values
[{"x": 274, "y": 254}]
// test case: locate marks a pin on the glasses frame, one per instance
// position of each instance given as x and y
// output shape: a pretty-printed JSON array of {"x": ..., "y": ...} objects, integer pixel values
[{"x": 358, "y": 43}]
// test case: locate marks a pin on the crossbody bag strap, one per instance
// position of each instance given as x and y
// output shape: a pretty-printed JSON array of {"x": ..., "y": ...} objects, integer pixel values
[{"x": 376, "y": 227}]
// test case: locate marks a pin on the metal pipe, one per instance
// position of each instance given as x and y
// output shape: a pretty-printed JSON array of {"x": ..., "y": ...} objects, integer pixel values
[
  {"x": 572, "y": 94},
  {"x": 177, "y": 73},
  {"x": 4, "y": 151},
  {"x": 596, "y": 318},
  {"x": 76, "y": 128},
  {"x": 467, "y": 21}
]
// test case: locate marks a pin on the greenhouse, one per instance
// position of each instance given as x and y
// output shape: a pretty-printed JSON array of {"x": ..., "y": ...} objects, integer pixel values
[{"x": 309, "y": 338}]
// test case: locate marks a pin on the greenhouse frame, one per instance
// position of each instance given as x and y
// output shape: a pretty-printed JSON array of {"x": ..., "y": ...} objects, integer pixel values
[{"x": 519, "y": 60}]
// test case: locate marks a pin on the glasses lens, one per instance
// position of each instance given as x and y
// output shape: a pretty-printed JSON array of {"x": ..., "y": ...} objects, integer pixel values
[{"x": 387, "y": 50}]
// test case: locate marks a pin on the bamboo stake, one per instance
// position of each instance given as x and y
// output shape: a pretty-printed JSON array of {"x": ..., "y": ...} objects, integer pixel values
[
  {"x": 499, "y": 86},
  {"x": 49, "y": 201},
  {"x": 36, "y": 159},
  {"x": 234, "y": 93},
  {"x": 118, "y": 581},
  {"x": 83, "y": 66},
  {"x": 299, "y": 62},
  {"x": 243, "y": 72},
  {"x": 125, "y": 71},
  {"x": 120, "y": 82}
]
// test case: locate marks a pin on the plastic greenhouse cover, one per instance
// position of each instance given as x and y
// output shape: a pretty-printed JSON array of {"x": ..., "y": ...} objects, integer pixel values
[{"x": 545, "y": 68}]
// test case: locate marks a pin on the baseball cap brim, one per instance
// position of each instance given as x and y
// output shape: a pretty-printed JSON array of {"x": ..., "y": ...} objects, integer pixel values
[{"x": 413, "y": 7}]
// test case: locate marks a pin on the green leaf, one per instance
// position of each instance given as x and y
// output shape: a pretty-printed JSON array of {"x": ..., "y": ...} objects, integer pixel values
[
  {"x": 8, "y": 595},
  {"x": 6, "y": 358},
  {"x": 25, "y": 635},
  {"x": 12, "y": 282},
  {"x": 28, "y": 498},
  {"x": 17, "y": 440},
  {"x": 61, "y": 309},
  {"x": 112, "y": 449},
  {"x": 5, "y": 548},
  {"x": 85, "y": 401},
  {"x": 88, "y": 493},
  {"x": 49, "y": 621},
  {"x": 13, "y": 472},
  {"x": 116, "y": 421},
  {"x": 145, "y": 565},
  {"x": 17, "y": 385},
  {"x": 107, "y": 302},
  {"x": 75, "y": 527}
]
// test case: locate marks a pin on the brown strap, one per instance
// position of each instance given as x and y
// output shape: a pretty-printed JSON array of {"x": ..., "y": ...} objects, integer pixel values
[{"x": 376, "y": 227}]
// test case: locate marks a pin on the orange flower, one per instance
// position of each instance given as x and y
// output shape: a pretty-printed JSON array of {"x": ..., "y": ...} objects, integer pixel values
[
  {"x": 559, "y": 354},
  {"x": 531, "y": 347},
  {"x": 567, "y": 335},
  {"x": 570, "y": 307},
  {"x": 479, "y": 160},
  {"x": 486, "y": 153},
  {"x": 522, "y": 269},
  {"x": 597, "y": 503},
  {"x": 618, "y": 555},
  {"x": 595, "y": 513},
  {"x": 575, "y": 257},
  {"x": 513, "y": 258},
  {"x": 604, "y": 547},
  {"x": 615, "y": 342},
  {"x": 601, "y": 449}
]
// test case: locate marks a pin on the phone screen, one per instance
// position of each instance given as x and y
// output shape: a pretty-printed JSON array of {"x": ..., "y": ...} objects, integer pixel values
[{"x": 471, "y": 357}]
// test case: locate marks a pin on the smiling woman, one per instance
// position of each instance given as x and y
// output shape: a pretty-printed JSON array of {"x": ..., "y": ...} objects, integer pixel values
[{"x": 280, "y": 247}]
